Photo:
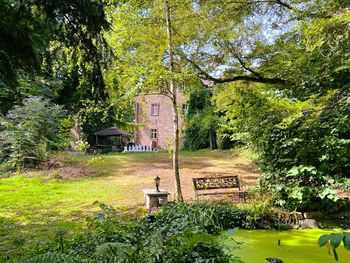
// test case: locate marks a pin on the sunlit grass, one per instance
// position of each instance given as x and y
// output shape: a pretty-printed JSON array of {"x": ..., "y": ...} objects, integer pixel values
[{"x": 35, "y": 205}]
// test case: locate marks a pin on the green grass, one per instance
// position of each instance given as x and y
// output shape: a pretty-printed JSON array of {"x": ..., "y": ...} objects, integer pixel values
[{"x": 35, "y": 205}]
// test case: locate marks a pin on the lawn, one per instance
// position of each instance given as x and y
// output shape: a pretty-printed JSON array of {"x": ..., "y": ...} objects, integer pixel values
[{"x": 35, "y": 205}]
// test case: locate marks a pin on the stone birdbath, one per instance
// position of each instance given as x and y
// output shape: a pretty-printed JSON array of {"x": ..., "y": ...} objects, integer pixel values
[{"x": 155, "y": 197}]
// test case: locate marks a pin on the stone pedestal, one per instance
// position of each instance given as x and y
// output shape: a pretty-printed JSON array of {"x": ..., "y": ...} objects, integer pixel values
[{"x": 154, "y": 198}]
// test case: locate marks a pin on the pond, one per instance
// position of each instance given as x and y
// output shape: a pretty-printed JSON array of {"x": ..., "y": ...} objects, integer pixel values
[{"x": 297, "y": 246}]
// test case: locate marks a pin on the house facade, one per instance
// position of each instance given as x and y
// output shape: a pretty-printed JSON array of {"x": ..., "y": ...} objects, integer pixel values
[{"x": 154, "y": 112}]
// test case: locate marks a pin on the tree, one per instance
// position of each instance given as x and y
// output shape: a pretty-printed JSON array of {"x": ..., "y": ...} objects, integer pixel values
[
  {"x": 294, "y": 51},
  {"x": 28, "y": 132},
  {"x": 201, "y": 121},
  {"x": 146, "y": 57},
  {"x": 152, "y": 49},
  {"x": 54, "y": 49},
  {"x": 299, "y": 130},
  {"x": 173, "y": 96},
  {"x": 151, "y": 60}
]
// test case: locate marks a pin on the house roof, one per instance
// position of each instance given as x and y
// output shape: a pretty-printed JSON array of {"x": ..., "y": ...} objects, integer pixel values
[{"x": 112, "y": 131}]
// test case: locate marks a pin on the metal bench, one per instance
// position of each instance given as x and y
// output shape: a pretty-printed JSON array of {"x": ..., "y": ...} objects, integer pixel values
[{"x": 225, "y": 182}]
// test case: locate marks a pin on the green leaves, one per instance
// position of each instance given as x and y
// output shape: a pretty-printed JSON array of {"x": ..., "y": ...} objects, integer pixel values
[
  {"x": 54, "y": 41},
  {"x": 301, "y": 170},
  {"x": 51, "y": 257},
  {"x": 334, "y": 240},
  {"x": 201, "y": 121},
  {"x": 115, "y": 252},
  {"x": 328, "y": 193},
  {"x": 323, "y": 240},
  {"x": 301, "y": 131},
  {"x": 28, "y": 132},
  {"x": 179, "y": 233},
  {"x": 346, "y": 241}
]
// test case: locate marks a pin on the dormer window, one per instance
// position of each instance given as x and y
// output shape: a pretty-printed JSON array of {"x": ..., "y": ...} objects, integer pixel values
[{"x": 154, "y": 109}]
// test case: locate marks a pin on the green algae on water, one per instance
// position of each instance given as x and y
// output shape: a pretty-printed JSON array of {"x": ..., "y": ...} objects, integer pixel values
[{"x": 291, "y": 246}]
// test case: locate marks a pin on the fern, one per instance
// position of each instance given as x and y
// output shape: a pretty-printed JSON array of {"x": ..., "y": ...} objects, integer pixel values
[
  {"x": 115, "y": 252},
  {"x": 51, "y": 257}
]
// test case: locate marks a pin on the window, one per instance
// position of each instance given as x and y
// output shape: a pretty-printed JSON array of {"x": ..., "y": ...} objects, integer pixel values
[
  {"x": 154, "y": 133},
  {"x": 184, "y": 109},
  {"x": 182, "y": 86},
  {"x": 154, "y": 109}
]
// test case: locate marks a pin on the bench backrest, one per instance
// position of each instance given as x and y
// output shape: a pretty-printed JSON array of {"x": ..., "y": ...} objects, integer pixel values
[{"x": 216, "y": 182}]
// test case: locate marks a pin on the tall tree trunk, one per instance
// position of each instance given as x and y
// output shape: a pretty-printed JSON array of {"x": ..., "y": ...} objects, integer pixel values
[
  {"x": 173, "y": 89},
  {"x": 211, "y": 140}
]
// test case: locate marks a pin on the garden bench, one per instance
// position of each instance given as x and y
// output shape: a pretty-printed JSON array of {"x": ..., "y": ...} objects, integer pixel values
[{"x": 215, "y": 183}]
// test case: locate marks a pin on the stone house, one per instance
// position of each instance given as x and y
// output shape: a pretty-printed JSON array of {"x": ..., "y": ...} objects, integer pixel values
[{"x": 154, "y": 112}]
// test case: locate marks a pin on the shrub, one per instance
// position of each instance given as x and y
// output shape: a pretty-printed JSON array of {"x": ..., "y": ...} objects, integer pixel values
[
  {"x": 210, "y": 218},
  {"x": 225, "y": 142},
  {"x": 81, "y": 146},
  {"x": 28, "y": 131},
  {"x": 304, "y": 157},
  {"x": 178, "y": 233},
  {"x": 201, "y": 122},
  {"x": 303, "y": 146}
]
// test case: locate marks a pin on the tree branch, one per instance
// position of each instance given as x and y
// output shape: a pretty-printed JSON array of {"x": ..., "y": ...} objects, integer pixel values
[
  {"x": 250, "y": 79},
  {"x": 247, "y": 68},
  {"x": 278, "y": 2},
  {"x": 283, "y": 4},
  {"x": 257, "y": 79}
]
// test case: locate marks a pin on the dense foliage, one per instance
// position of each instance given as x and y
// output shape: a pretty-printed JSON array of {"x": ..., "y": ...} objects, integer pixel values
[
  {"x": 57, "y": 50},
  {"x": 303, "y": 146},
  {"x": 34, "y": 35},
  {"x": 178, "y": 233},
  {"x": 203, "y": 127},
  {"x": 201, "y": 122},
  {"x": 301, "y": 128},
  {"x": 29, "y": 131},
  {"x": 310, "y": 154},
  {"x": 281, "y": 70}
]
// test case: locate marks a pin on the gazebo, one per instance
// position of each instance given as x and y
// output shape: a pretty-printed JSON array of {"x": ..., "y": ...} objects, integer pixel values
[{"x": 111, "y": 132}]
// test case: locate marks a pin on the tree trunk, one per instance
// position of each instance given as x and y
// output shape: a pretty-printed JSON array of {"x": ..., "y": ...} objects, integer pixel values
[
  {"x": 212, "y": 140},
  {"x": 173, "y": 90}
]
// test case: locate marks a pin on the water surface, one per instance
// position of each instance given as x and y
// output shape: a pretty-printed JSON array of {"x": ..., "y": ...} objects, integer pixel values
[{"x": 297, "y": 246}]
